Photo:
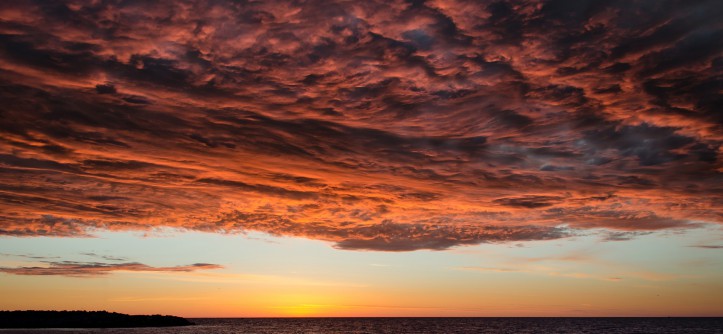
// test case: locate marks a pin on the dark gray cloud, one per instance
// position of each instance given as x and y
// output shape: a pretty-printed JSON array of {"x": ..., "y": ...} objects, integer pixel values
[{"x": 709, "y": 246}]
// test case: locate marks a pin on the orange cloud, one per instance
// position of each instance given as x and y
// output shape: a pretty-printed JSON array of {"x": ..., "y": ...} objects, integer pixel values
[{"x": 375, "y": 126}]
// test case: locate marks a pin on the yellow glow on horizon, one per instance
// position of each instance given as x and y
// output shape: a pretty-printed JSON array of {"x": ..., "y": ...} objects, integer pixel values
[
  {"x": 308, "y": 304},
  {"x": 302, "y": 310}
]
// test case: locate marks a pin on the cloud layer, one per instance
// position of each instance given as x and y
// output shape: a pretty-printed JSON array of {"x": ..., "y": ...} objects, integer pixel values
[
  {"x": 373, "y": 125},
  {"x": 90, "y": 269}
]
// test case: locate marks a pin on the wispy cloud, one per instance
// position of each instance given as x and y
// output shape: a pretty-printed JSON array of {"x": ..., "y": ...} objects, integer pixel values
[
  {"x": 708, "y": 246},
  {"x": 30, "y": 256},
  {"x": 492, "y": 269},
  {"x": 568, "y": 273},
  {"x": 623, "y": 236},
  {"x": 106, "y": 257},
  {"x": 260, "y": 279},
  {"x": 154, "y": 299},
  {"x": 90, "y": 269}
]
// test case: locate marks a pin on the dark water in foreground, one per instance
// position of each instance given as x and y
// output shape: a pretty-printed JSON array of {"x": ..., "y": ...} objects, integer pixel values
[{"x": 420, "y": 326}]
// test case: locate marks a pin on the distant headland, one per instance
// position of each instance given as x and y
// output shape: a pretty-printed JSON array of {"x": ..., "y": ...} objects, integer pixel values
[{"x": 85, "y": 319}]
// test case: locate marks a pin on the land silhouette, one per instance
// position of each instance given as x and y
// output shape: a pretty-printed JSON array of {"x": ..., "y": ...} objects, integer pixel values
[{"x": 85, "y": 319}]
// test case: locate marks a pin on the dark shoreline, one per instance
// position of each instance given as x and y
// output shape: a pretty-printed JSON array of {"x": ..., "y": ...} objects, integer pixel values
[{"x": 85, "y": 319}]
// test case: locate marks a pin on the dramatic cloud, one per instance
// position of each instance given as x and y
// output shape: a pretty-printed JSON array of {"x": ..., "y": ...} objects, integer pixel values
[
  {"x": 89, "y": 269},
  {"x": 374, "y": 125}
]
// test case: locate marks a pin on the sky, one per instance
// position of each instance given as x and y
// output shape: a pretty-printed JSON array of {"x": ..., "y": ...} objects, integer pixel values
[{"x": 362, "y": 158}]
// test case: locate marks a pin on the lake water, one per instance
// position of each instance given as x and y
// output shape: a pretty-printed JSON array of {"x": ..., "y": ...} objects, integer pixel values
[{"x": 418, "y": 326}]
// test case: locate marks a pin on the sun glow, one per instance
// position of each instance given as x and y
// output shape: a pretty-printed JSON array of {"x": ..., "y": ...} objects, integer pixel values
[{"x": 301, "y": 305}]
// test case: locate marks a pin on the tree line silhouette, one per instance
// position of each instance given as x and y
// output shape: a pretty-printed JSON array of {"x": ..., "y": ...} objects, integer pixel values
[{"x": 85, "y": 319}]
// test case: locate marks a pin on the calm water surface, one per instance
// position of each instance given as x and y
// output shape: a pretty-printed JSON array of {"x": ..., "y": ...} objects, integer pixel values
[{"x": 420, "y": 326}]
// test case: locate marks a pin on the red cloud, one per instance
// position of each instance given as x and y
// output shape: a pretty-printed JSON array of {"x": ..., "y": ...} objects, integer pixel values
[{"x": 390, "y": 126}]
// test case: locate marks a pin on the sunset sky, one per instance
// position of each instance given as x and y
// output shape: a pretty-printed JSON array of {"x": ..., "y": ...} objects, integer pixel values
[{"x": 362, "y": 158}]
